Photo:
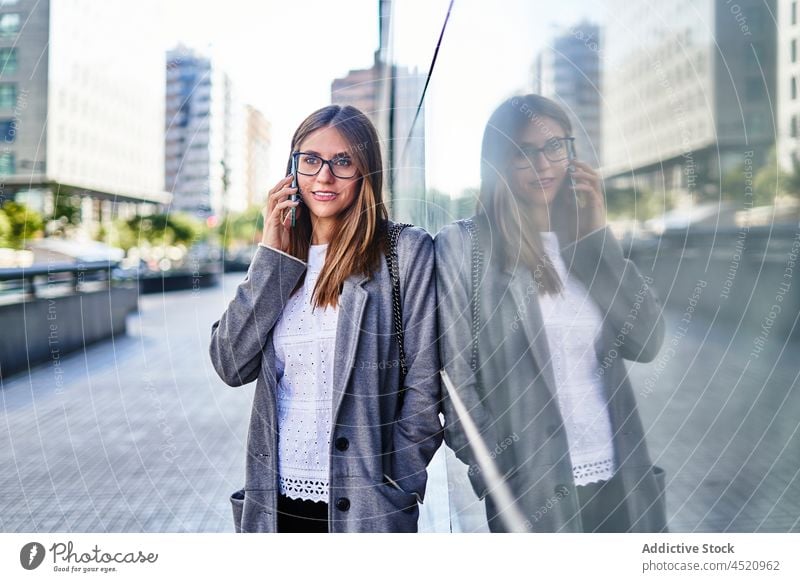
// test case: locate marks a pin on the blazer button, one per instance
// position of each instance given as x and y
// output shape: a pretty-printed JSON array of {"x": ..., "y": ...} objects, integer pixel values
[
  {"x": 343, "y": 504},
  {"x": 342, "y": 444}
]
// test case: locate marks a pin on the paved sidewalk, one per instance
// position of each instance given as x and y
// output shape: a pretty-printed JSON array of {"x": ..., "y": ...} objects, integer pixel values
[
  {"x": 140, "y": 436},
  {"x": 725, "y": 427}
]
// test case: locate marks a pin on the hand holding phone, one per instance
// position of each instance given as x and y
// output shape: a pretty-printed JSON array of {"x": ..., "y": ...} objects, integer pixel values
[
  {"x": 571, "y": 156},
  {"x": 277, "y": 214},
  {"x": 587, "y": 187}
]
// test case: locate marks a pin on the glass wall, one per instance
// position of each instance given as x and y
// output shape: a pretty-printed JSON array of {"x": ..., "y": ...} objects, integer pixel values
[{"x": 675, "y": 400}]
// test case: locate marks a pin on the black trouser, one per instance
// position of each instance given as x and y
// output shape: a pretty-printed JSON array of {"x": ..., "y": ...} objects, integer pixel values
[
  {"x": 302, "y": 515},
  {"x": 603, "y": 506}
]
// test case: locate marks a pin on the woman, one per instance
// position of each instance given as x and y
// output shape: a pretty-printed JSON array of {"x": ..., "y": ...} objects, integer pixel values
[
  {"x": 538, "y": 307},
  {"x": 336, "y": 442}
]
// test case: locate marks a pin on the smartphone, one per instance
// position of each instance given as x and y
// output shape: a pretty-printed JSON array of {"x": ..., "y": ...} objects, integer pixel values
[
  {"x": 572, "y": 156},
  {"x": 295, "y": 196}
]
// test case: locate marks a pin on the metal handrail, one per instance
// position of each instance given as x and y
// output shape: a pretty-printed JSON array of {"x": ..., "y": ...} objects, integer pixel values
[{"x": 27, "y": 275}]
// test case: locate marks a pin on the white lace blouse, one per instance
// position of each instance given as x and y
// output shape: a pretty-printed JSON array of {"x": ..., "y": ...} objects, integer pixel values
[
  {"x": 304, "y": 349},
  {"x": 572, "y": 321}
]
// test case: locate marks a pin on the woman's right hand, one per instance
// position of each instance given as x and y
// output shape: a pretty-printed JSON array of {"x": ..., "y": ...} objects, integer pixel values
[
  {"x": 277, "y": 218},
  {"x": 590, "y": 199}
]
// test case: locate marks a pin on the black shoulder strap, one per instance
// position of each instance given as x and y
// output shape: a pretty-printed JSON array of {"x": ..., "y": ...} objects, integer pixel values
[
  {"x": 476, "y": 264},
  {"x": 393, "y": 235}
]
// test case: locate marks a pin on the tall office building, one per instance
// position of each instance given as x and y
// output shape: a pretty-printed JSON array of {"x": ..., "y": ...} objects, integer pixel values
[
  {"x": 568, "y": 71},
  {"x": 258, "y": 139},
  {"x": 389, "y": 96},
  {"x": 689, "y": 92},
  {"x": 392, "y": 94},
  {"x": 405, "y": 147},
  {"x": 788, "y": 79},
  {"x": 81, "y": 106},
  {"x": 204, "y": 136},
  {"x": 358, "y": 88}
]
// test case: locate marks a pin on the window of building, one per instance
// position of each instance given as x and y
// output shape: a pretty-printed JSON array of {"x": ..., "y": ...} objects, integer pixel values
[
  {"x": 9, "y": 24},
  {"x": 8, "y": 130},
  {"x": 7, "y": 164},
  {"x": 8, "y": 60},
  {"x": 794, "y": 50},
  {"x": 8, "y": 95},
  {"x": 793, "y": 127},
  {"x": 794, "y": 88}
]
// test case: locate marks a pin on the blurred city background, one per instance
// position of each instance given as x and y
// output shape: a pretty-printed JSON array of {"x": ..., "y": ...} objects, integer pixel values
[{"x": 139, "y": 140}]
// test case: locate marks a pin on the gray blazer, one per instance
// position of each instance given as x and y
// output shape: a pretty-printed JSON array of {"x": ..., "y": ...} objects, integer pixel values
[
  {"x": 513, "y": 399},
  {"x": 370, "y": 438}
]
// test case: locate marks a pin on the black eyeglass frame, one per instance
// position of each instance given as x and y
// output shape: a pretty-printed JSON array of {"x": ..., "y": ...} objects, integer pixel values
[
  {"x": 324, "y": 161},
  {"x": 569, "y": 142}
]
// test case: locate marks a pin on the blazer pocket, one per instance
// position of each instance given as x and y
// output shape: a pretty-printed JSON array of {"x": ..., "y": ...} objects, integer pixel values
[
  {"x": 661, "y": 500},
  {"x": 399, "y": 510},
  {"x": 237, "y": 504},
  {"x": 660, "y": 476},
  {"x": 399, "y": 497}
]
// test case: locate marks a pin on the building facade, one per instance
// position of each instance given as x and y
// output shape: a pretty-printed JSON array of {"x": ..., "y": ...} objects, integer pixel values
[
  {"x": 689, "y": 93},
  {"x": 568, "y": 71},
  {"x": 358, "y": 88},
  {"x": 390, "y": 95},
  {"x": 258, "y": 140},
  {"x": 198, "y": 169},
  {"x": 79, "y": 107},
  {"x": 788, "y": 126}
]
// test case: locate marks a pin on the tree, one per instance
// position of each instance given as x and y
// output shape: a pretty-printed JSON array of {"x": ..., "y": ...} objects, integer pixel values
[
  {"x": 464, "y": 205},
  {"x": 66, "y": 204},
  {"x": 123, "y": 235},
  {"x": 734, "y": 185},
  {"x": 158, "y": 229},
  {"x": 769, "y": 181},
  {"x": 25, "y": 224},
  {"x": 764, "y": 184},
  {"x": 791, "y": 181},
  {"x": 630, "y": 202},
  {"x": 433, "y": 210},
  {"x": 5, "y": 230},
  {"x": 241, "y": 229}
]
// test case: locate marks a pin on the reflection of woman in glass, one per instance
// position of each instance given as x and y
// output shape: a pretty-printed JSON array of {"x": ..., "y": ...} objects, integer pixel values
[
  {"x": 343, "y": 425},
  {"x": 538, "y": 309}
]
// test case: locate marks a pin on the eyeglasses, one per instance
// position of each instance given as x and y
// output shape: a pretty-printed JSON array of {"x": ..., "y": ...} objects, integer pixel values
[
  {"x": 556, "y": 149},
  {"x": 311, "y": 164}
]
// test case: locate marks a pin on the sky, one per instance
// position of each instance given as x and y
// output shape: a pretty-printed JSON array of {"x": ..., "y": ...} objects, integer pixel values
[{"x": 283, "y": 56}]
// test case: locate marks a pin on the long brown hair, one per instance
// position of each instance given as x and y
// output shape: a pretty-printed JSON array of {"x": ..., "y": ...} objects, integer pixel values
[
  {"x": 357, "y": 242},
  {"x": 509, "y": 212}
]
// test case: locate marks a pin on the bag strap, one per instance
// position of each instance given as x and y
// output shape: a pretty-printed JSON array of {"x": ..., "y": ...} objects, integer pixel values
[
  {"x": 393, "y": 236},
  {"x": 476, "y": 264}
]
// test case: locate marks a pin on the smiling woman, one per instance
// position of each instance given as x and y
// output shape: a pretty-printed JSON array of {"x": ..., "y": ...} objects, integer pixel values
[
  {"x": 345, "y": 412},
  {"x": 341, "y": 193}
]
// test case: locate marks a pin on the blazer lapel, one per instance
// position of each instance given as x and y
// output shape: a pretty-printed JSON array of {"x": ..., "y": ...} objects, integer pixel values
[
  {"x": 348, "y": 329},
  {"x": 525, "y": 294}
]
